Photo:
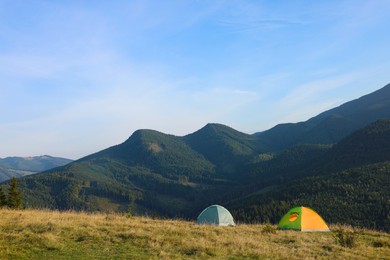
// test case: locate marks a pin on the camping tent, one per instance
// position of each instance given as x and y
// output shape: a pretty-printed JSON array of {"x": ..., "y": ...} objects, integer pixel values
[
  {"x": 303, "y": 219},
  {"x": 215, "y": 215}
]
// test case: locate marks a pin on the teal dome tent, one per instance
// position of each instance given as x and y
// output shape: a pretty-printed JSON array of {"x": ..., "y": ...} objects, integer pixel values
[{"x": 215, "y": 215}]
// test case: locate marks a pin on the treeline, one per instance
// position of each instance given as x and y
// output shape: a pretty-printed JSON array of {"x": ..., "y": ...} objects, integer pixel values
[
  {"x": 357, "y": 196},
  {"x": 13, "y": 198}
]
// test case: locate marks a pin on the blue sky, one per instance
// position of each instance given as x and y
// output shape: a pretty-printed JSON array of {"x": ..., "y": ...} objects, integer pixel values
[{"x": 80, "y": 76}]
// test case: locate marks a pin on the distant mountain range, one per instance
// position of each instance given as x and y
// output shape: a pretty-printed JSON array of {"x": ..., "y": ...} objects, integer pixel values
[
  {"x": 337, "y": 162},
  {"x": 22, "y": 166}
]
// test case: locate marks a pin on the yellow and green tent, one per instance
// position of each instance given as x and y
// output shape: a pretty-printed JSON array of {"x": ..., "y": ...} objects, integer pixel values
[{"x": 303, "y": 219}]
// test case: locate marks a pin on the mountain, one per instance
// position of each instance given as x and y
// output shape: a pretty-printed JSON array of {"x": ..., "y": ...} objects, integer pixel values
[
  {"x": 150, "y": 173},
  {"x": 35, "y": 163},
  {"x": 348, "y": 183},
  {"x": 22, "y": 166},
  {"x": 225, "y": 147},
  {"x": 170, "y": 176},
  {"x": 6, "y": 173},
  {"x": 330, "y": 126},
  {"x": 166, "y": 154}
]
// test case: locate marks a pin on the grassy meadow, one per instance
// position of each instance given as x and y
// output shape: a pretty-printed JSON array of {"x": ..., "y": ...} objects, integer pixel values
[{"x": 36, "y": 234}]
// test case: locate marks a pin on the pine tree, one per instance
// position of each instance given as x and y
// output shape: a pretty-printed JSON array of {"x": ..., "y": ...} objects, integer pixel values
[
  {"x": 3, "y": 199},
  {"x": 14, "y": 195}
]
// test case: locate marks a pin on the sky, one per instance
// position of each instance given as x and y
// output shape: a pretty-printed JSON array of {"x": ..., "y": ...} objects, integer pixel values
[{"x": 79, "y": 76}]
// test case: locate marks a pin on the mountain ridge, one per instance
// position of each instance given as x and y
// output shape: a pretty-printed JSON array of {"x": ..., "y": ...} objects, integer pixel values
[
  {"x": 332, "y": 125},
  {"x": 15, "y": 166}
]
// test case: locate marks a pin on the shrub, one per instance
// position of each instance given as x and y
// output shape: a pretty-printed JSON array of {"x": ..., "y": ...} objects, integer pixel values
[
  {"x": 380, "y": 243},
  {"x": 268, "y": 228},
  {"x": 345, "y": 238}
]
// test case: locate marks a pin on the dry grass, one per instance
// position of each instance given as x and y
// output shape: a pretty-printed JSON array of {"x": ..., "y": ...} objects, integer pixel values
[{"x": 37, "y": 234}]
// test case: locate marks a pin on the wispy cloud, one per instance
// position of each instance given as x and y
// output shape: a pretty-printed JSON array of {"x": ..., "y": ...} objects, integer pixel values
[
  {"x": 306, "y": 111},
  {"x": 313, "y": 89},
  {"x": 242, "y": 26},
  {"x": 234, "y": 92}
]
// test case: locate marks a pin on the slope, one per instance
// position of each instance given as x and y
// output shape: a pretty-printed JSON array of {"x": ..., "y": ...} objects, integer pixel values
[
  {"x": 225, "y": 147},
  {"x": 6, "y": 173},
  {"x": 150, "y": 173},
  {"x": 33, "y": 234},
  {"x": 348, "y": 184},
  {"x": 22, "y": 166},
  {"x": 35, "y": 163},
  {"x": 330, "y": 126}
]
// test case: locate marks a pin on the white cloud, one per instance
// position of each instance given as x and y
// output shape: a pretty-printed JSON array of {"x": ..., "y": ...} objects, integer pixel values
[
  {"x": 312, "y": 90},
  {"x": 233, "y": 92},
  {"x": 307, "y": 111}
]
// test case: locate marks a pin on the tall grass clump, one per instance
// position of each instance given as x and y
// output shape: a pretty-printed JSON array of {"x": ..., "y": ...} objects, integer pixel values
[
  {"x": 268, "y": 229},
  {"x": 345, "y": 238}
]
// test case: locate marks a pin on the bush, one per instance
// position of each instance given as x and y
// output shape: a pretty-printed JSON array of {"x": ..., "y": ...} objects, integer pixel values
[
  {"x": 380, "y": 243},
  {"x": 268, "y": 228},
  {"x": 345, "y": 238}
]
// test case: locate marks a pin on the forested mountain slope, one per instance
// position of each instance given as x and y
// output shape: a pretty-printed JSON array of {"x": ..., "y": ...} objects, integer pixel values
[
  {"x": 347, "y": 184},
  {"x": 330, "y": 126},
  {"x": 150, "y": 173},
  {"x": 226, "y": 148}
]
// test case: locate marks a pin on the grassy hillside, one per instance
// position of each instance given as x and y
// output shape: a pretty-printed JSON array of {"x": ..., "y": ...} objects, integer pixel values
[{"x": 53, "y": 235}]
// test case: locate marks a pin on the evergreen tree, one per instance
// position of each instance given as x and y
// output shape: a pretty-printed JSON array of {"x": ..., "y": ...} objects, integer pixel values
[
  {"x": 3, "y": 199},
  {"x": 14, "y": 195}
]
